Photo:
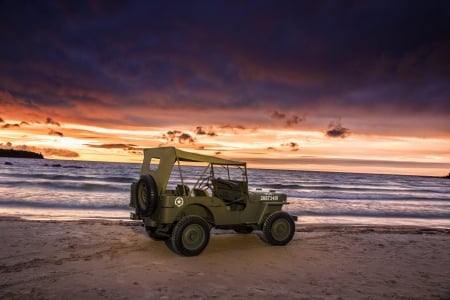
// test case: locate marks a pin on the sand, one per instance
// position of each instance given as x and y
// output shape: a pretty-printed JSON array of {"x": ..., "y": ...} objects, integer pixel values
[{"x": 115, "y": 260}]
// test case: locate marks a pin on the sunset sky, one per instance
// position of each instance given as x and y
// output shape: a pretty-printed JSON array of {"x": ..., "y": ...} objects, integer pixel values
[{"x": 349, "y": 86}]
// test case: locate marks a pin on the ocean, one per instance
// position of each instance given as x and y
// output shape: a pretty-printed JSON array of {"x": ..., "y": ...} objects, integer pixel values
[{"x": 66, "y": 190}]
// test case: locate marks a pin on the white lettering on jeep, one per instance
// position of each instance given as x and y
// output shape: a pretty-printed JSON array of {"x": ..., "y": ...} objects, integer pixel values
[{"x": 269, "y": 197}]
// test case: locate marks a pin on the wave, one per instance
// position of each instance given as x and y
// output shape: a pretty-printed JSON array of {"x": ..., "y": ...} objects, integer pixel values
[
  {"x": 95, "y": 186},
  {"x": 66, "y": 185},
  {"x": 332, "y": 187},
  {"x": 366, "y": 197},
  {"x": 75, "y": 177},
  {"x": 382, "y": 214},
  {"x": 64, "y": 205}
]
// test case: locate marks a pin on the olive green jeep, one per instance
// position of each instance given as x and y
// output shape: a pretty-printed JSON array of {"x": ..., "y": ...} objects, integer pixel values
[{"x": 181, "y": 210}]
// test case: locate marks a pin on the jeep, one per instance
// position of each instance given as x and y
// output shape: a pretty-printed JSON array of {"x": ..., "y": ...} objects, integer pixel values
[{"x": 181, "y": 211}]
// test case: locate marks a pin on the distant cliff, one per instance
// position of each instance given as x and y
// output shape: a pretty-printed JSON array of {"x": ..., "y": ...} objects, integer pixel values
[{"x": 19, "y": 154}]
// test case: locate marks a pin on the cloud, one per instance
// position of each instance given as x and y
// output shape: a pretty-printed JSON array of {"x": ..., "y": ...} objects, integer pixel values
[
  {"x": 58, "y": 133},
  {"x": 289, "y": 146},
  {"x": 176, "y": 136},
  {"x": 50, "y": 121},
  {"x": 185, "y": 138},
  {"x": 228, "y": 126},
  {"x": 102, "y": 63},
  {"x": 294, "y": 120},
  {"x": 289, "y": 119},
  {"x": 336, "y": 130},
  {"x": 7, "y": 125},
  {"x": 200, "y": 131},
  {"x": 171, "y": 135},
  {"x": 129, "y": 147},
  {"x": 11, "y": 125},
  {"x": 6, "y": 146},
  {"x": 277, "y": 115},
  {"x": 292, "y": 146},
  {"x": 50, "y": 152}
]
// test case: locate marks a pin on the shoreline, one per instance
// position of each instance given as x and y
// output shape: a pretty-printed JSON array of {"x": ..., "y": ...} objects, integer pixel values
[
  {"x": 112, "y": 259},
  {"x": 300, "y": 227},
  {"x": 74, "y": 214}
]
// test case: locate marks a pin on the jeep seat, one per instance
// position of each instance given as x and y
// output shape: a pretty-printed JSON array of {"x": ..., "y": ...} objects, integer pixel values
[
  {"x": 200, "y": 193},
  {"x": 227, "y": 190},
  {"x": 182, "y": 190}
]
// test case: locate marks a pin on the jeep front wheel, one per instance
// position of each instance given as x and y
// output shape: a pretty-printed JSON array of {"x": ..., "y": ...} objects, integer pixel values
[
  {"x": 190, "y": 236},
  {"x": 278, "y": 228}
]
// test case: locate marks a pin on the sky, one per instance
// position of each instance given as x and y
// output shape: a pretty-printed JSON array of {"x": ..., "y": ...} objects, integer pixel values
[{"x": 347, "y": 86}]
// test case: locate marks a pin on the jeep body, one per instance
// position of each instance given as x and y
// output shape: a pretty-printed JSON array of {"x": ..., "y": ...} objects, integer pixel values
[{"x": 181, "y": 211}]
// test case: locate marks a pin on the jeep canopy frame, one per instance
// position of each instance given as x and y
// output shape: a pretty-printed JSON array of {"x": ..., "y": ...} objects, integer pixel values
[{"x": 158, "y": 162}]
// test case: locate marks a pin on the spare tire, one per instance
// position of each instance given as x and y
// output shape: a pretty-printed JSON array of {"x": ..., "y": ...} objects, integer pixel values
[{"x": 147, "y": 195}]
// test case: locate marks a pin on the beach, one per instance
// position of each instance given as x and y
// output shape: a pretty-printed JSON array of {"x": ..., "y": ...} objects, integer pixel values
[{"x": 101, "y": 259}]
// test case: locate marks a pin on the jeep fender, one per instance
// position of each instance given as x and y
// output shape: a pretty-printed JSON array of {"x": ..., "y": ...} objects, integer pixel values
[{"x": 198, "y": 210}]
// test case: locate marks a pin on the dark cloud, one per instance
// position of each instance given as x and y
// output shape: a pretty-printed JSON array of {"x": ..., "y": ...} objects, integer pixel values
[
  {"x": 177, "y": 136},
  {"x": 289, "y": 146},
  {"x": 277, "y": 115},
  {"x": 171, "y": 135},
  {"x": 200, "y": 131},
  {"x": 294, "y": 120},
  {"x": 292, "y": 146},
  {"x": 54, "y": 132},
  {"x": 185, "y": 138},
  {"x": 319, "y": 57},
  {"x": 233, "y": 127},
  {"x": 288, "y": 119},
  {"x": 12, "y": 125},
  {"x": 7, "y": 125},
  {"x": 50, "y": 121},
  {"x": 336, "y": 130}
]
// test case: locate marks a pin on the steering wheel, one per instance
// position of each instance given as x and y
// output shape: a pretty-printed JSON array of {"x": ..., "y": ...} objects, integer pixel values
[{"x": 206, "y": 183}]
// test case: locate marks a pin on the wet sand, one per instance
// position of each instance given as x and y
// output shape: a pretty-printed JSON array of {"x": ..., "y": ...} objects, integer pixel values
[{"x": 97, "y": 259}]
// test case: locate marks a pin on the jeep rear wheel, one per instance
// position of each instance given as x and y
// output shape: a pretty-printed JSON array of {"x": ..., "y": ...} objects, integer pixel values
[
  {"x": 190, "y": 236},
  {"x": 147, "y": 195},
  {"x": 278, "y": 228}
]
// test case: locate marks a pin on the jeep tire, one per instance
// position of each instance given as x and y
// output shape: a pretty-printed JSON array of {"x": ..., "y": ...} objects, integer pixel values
[
  {"x": 147, "y": 196},
  {"x": 278, "y": 228},
  {"x": 190, "y": 236}
]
